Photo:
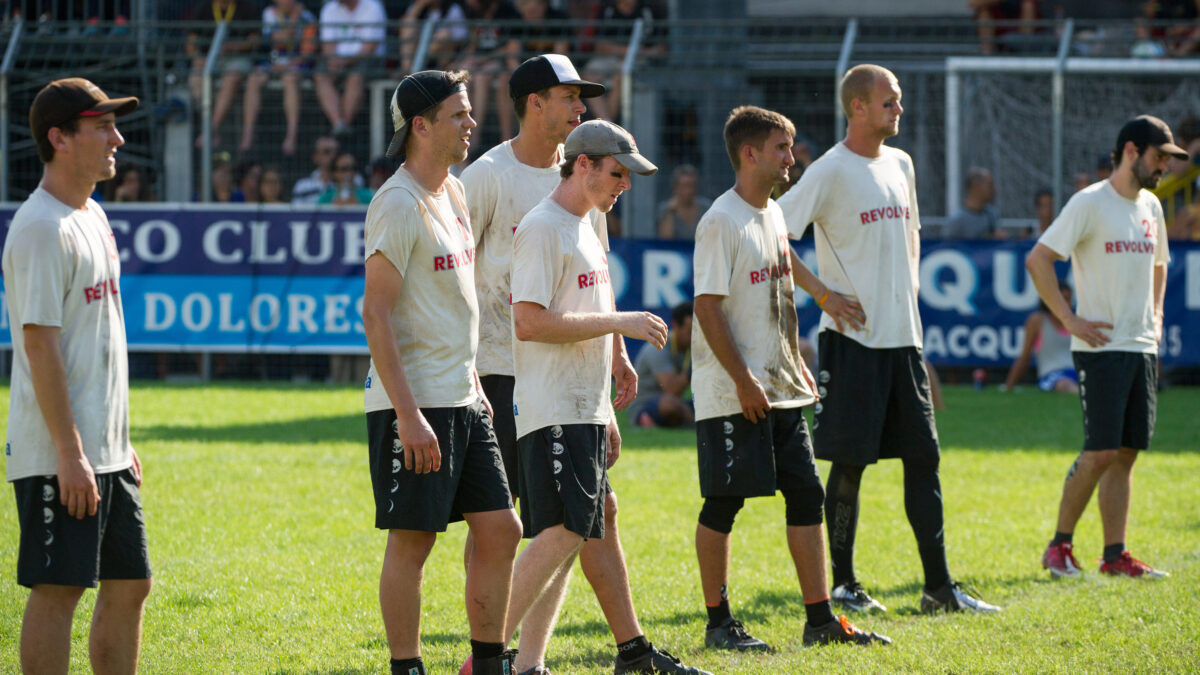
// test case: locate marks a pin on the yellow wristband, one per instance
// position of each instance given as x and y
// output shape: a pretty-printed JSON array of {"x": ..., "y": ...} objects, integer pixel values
[{"x": 821, "y": 302}]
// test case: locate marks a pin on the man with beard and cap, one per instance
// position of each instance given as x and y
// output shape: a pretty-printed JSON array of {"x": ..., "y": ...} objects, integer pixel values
[
  {"x": 1115, "y": 234},
  {"x": 75, "y": 473},
  {"x": 433, "y": 456}
]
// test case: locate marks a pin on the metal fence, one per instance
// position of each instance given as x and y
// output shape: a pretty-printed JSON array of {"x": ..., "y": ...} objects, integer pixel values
[{"x": 685, "y": 76}]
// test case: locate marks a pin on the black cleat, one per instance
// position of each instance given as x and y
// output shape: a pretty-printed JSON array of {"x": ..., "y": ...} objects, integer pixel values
[
  {"x": 731, "y": 634},
  {"x": 954, "y": 598},
  {"x": 841, "y": 630},
  {"x": 655, "y": 661}
]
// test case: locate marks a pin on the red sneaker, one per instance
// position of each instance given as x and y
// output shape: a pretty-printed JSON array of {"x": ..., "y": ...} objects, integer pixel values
[
  {"x": 1129, "y": 566},
  {"x": 468, "y": 667},
  {"x": 1060, "y": 560}
]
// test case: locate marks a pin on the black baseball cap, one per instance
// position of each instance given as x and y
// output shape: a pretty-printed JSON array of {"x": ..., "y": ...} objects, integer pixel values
[
  {"x": 1149, "y": 130},
  {"x": 415, "y": 95},
  {"x": 64, "y": 100},
  {"x": 549, "y": 70},
  {"x": 597, "y": 138}
]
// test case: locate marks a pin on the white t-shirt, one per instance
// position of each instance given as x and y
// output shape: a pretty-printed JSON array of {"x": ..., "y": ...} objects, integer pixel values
[
  {"x": 500, "y": 191},
  {"x": 865, "y": 211},
  {"x": 61, "y": 268},
  {"x": 1114, "y": 244},
  {"x": 559, "y": 263},
  {"x": 428, "y": 239},
  {"x": 367, "y": 22},
  {"x": 742, "y": 254}
]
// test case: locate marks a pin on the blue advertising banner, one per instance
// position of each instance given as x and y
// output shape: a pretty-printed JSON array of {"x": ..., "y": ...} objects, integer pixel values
[{"x": 283, "y": 279}]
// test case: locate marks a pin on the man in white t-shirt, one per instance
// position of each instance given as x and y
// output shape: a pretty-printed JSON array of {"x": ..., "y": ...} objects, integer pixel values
[
  {"x": 74, "y": 471},
  {"x": 434, "y": 457},
  {"x": 750, "y": 384},
  {"x": 1115, "y": 234},
  {"x": 564, "y": 324},
  {"x": 502, "y": 186},
  {"x": 352, "y": 35},
  {"x": 875, "y": 398}
]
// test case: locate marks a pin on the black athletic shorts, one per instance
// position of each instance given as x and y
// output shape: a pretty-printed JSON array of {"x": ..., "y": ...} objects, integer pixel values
[
  {"x": 59, "y": 549},
  {"x": 564, "y": 479},
  {"x": 1119, "y": 393},
  {"x": 470, "y": 480},
  {"x": 875, "y": 404},
  {"x": 740, "y": 458},
  {"x": 499, "y": 390}
]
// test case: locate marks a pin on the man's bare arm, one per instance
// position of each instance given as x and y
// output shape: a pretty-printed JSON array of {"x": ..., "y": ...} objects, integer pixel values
[
  {"x": 76, "y": 478},
  {"x": 714, "y": 323}
]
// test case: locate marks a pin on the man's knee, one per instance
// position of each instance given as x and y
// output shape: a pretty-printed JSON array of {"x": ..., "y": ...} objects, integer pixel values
[
  {"x": 804, "y": 506},
  {"x": 55, "y": 598},
  {"x": 498, "y": 534},
  {"x": 718, "y": 513},
  {"x": 409, "y": 546},
  {"x": 124, "y": 593},
  {"x": 610, "y": 509}
]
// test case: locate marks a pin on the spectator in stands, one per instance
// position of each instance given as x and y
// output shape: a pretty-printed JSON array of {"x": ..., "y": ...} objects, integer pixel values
[
  {"x": 613, "y": 32},
  {"x": 992, "y": 36},
  {"x": 678, "y": 215},
  {"x": 1104, "y": 167},
  {"x": 1178, "y": 188},
  {"x": 346, "y": 189},
  {"x": 449, "y": 37},
  {"x": 307, "y": 190},
  {"x": 977, "y": 219},
  {"x": 270, "y": 186},
  {"x": 290, "y": 30},
  {"x": 352, "y": 34},
  {"x": 802, "y": 152},
  {"x": 127, "y": 186},
  {"x": 222, "y": 179},
  {"x": 378, "y": 173},
  {"x": 489, "y": 57},
  {"x": 664, "y": 376},
  {"x": 1177, "y": 27},
  {"x": 541, "y": 30},
  {"x": 237, "y": 52},
  {"x": 1050, "y": 341},
  {"x": 246, "y": 176},
  {"x": 1043, "y": 208}
]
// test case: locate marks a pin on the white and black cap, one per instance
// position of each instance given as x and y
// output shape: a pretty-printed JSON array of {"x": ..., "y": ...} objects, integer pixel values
[
  {"x": 416, "y": 94},
  {"x": 597, "y": 138},
  {"x": 549, "y": 70}
]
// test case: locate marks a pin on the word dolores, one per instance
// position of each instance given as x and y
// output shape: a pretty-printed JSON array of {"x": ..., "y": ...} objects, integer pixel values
[{"x": 264, "y": 313}]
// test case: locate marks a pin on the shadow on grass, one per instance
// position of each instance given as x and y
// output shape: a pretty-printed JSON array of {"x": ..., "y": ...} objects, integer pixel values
[
  {"x": 327, "y": 671},
  {"x": 334, "y": 428}
]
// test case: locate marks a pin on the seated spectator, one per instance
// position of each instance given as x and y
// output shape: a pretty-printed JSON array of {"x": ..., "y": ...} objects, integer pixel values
[
  {"x": 307, "y": 190},
  {"x": 449, "y": 37},
  {"x": 1174, "y": 31},
  {"x": 222, "y": 179},
  {"x": 237, "y": 53},
  {"x": 378, "y": 173},
  {"x": 291, "y": 32},
  {"x": 977, "y": 219},
  {"x": 542, "y": 30},
  {"x": 1178, "y": 188},
  {"x": 490, "y": 54},
  {"x": 127, "y": 186},
  {"x": 1048, "y": 340},
  {"x": 664, "y": 375},
  {"x": 345, "y": 190},
  {"x": 270, "y": 186},
  {"x": 1043, "y": 207},
  {"x": 678, "y": 215},
  {"x": 1104, "y": 167},
  {"x": 1008, "y": 12},
  {"x": 613, "y": 32},
  {"x": 246, "y": 176},
  {"x": 352, "y": 34}
]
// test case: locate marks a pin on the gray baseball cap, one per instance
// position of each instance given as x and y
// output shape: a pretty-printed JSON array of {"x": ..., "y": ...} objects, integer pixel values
[{"x": 599, "y": 138}]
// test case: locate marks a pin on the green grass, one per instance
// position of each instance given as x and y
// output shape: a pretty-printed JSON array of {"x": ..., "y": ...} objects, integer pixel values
[{"x": 266, "y": 561}]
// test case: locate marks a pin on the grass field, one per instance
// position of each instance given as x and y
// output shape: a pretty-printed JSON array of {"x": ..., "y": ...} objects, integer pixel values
[{"x": 266, "y": 561}]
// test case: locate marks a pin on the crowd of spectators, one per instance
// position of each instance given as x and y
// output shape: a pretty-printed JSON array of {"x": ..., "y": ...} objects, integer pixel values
[{"x": 1160, "y": 28}]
